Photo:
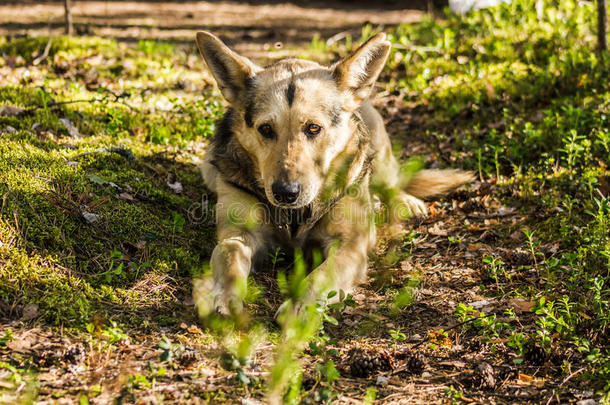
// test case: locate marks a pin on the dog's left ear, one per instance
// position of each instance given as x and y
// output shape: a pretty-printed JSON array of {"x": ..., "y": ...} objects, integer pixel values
[{"x": 358, "y": 72}]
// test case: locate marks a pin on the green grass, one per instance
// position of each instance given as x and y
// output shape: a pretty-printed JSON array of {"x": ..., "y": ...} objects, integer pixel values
[{"x": 51, "y": 254}]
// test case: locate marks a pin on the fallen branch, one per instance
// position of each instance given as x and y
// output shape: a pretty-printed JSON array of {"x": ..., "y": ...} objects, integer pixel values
[
  {"x": 116, "y": 98},
  {"x": 47, "y": 49},
  {"x": 44, "y": 53},
  {"x": 418, "y": 48}
]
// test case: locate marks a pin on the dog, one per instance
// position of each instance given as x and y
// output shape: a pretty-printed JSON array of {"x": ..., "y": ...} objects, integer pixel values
[{"x": 295, "y": 163}]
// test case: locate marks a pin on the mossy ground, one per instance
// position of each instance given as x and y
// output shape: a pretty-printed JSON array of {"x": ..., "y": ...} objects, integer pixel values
[{"x": 102, "y": 230}]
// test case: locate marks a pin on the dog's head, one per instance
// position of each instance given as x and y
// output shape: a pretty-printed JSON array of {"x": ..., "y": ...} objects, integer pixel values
[{"x": 295, "y": 115}]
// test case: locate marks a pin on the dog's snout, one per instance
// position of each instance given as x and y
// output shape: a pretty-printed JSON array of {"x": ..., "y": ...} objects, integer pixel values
[{"x": 286, "y": 192}]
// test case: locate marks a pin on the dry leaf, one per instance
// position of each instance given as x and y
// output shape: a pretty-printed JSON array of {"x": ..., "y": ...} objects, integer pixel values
[
  {"x": 30, "y": 311},
  {"x": 126, "y": 197},
  {"x": 521, "y": 306},
  {"x": 90, "y": 217},
  {"x": 72, "y": 130},
  {"x": 176, "y": 187},
  {"x": 437, "y": 230},
  {"x": 11, "y": 111}
]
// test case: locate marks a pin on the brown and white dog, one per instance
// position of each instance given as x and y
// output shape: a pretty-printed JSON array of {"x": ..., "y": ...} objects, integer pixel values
[{"x": 294, "y": 163}]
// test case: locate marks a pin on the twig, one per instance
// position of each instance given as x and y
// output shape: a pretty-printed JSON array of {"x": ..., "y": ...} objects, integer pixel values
[
  {"x": 47, "y": 48},
  {"x": 117, "y": 99},
  {"x": 337, "y": 37},
  {"x": 418, "y": 48},
  {"x": 602, "y": 22},
  {"x": 452, "y": 327},
  {"x": 122, "y": 151},
  {"x": 45, "y": 53},
  {"x": 554, "y": 394},
  {"x": 570, "y": 376}
]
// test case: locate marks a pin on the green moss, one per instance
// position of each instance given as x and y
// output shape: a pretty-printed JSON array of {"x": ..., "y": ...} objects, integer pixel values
[
  {"x": 71, "y": 267},
  {"x": 31, "y": 47}
]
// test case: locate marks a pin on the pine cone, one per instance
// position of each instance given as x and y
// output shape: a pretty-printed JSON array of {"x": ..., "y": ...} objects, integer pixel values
[
  {"x": 187, "y": 358},
  {"x": 46, "y": 358},
  {"x": 364, "y": 362},
  {"x": 73, "y": 355},
  {"x": 535, "y": 355},
  {"x": 416, "y": 363},
  {"x": 484, "y": 376}
]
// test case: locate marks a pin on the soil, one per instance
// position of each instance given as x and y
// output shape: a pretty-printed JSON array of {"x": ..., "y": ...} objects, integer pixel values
[{"x": 250, "y": 27}]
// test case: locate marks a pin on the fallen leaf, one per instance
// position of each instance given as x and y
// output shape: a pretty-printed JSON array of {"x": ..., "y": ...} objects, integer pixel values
[
  {"x": 521, "y": 306},
  {"x": 482, "y": 304},
  {"x": 97, "y": 179},
  {"x": 176, "y": 186},
  {"x": 11, "y": 111},
  {"x": 90, "y": 217},
  {"x": 30, "y": 311},
  {"x": 437, "y": 230},
  {"x": 126, "y": 197},
  {"x": 517, "y": 235},
  {"x": 504, "y": 211},
  {"x": 19, "y": 345},
  {"x": 72, "y": 130},
  {"x": 37, "y": 128}
]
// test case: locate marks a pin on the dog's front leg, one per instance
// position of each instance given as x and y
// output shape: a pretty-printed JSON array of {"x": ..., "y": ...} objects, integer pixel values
[
  {"x": 344, "y": 269},
  {"x": 349, "y": 234},
  {"x": 240, "y": 221}
]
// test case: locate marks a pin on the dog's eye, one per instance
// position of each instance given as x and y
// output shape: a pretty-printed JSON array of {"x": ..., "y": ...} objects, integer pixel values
[
  {"x": 266, "y": 131},
  {"x": 312, "y": 130}
]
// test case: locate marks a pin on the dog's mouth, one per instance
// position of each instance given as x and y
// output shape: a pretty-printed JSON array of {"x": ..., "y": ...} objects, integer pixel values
[
  {"x": 289, "y": 201},
  {"x": 295, "y": 205}
]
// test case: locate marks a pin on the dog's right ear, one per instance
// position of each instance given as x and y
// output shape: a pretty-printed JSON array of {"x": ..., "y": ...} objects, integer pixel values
[{"x": 231, "y": 71}]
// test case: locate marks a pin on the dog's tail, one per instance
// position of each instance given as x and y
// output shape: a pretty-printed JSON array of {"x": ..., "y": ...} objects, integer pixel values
[{"x": 430, "y": 183}]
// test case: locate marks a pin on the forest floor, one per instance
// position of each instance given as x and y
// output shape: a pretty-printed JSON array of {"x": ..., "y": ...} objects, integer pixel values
[{"x": 500, "y": 295}]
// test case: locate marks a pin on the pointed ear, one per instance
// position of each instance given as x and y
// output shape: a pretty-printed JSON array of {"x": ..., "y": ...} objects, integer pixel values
[
  {"x": 358, "y": 72},
  {"x": 230, "y": 70}
]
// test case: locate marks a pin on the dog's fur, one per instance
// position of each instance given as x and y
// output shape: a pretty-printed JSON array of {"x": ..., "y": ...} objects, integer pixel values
[{"x": 268, "y": 136}]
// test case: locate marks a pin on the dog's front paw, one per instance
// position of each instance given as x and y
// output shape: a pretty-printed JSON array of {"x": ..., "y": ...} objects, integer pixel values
[
  {"x": 407, "y": 206},
  {"x": 210, "y": 297}
]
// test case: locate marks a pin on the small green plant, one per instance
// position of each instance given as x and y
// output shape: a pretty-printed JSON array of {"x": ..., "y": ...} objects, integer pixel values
[
  {"x": 8, "y": 336},
  {"x": 170, "y": 350},
  {"x": 496, "y": 270},
  {"x": 115, "y": 271},
  {"x": 397, "y": 335},
  {"x": 518, "y": 342},
  {"x": 277, "y": 257},
  {"x": 533, "y": 246},
  {"x": 107, "y": 337},
  {"x": 452, "y": 241},
  {"x": 137, "y": 381},
  {"x": 453, "y": 395}
]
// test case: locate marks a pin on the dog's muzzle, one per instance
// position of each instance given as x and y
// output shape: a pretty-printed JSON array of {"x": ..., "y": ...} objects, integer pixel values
[{"x": 286, "y": 192}]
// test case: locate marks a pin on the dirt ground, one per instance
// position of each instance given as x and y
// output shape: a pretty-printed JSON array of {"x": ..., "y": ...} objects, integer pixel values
[{"x": 251, "y": 27}]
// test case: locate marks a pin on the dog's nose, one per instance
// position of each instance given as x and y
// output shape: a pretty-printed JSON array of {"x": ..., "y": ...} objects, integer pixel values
[{"x": 286, "y": 192}]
